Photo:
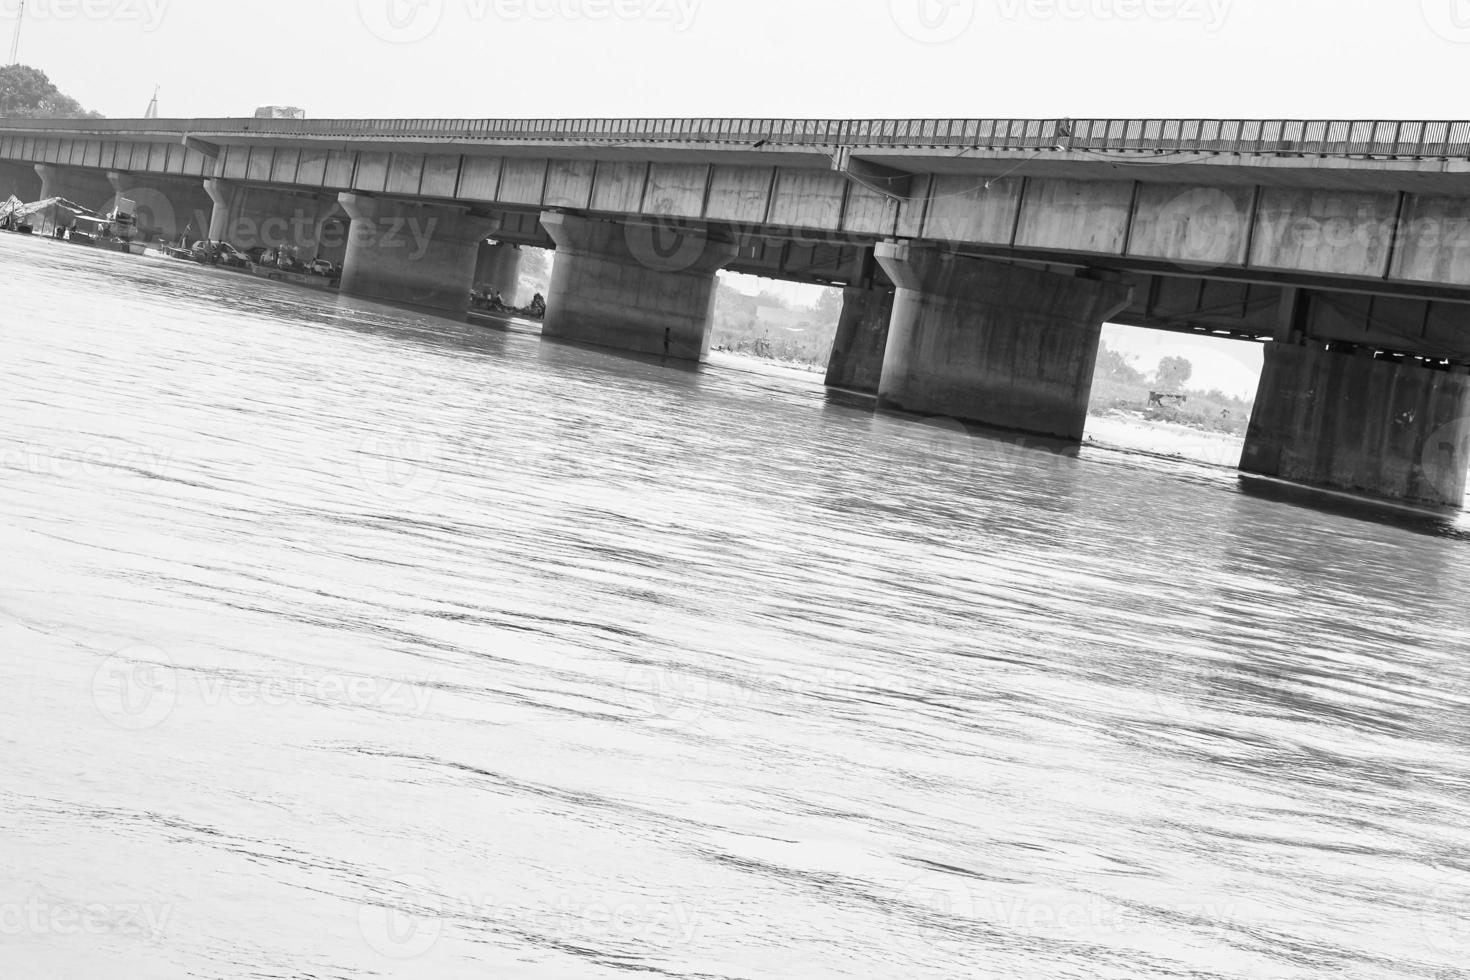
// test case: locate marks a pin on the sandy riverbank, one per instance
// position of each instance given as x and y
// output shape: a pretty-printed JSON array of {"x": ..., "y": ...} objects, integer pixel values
[{"x": 1130, "y": 431}]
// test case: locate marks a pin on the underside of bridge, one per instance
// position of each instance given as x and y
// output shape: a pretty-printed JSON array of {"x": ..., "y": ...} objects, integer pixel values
[
  {"x": 19, "y": 180},
  {"x": 977, "y": 259}
]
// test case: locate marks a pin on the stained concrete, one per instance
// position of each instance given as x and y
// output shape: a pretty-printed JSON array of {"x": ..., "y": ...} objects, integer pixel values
[
  {"x": 21, "y": 180},
  {"x": 248, "y": 216},
  {"x": 1002, "y": 345},
  {"x": 176, "y": 209},
  {"x": 412, "y": 254},
  {"x": 89, "y": 188},
  {"x": 633, "y": 287},
  {"x": 856, "y": 362},
  {"x": 1398, "y": 431}
]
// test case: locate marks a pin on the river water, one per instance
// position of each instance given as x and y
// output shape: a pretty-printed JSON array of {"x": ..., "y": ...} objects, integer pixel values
[{"x": 339, "y": 642}]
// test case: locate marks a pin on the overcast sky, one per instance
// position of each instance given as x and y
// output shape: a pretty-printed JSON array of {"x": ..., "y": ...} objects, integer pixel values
[{"x": 850, "y": 58}]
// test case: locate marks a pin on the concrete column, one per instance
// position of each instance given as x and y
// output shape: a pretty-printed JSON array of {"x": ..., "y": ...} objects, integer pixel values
[
  {"x": 21, "y": 180},
  {"x": 1352, "y": 423},
  {"x": 499, "y": 267},
  {"x": 420, "y": 255},
  {"x": 89, "y": 188},
  {"x": 862, "y": 335},
  {"x": 174, "y": 208},
  {"x": 332, "y": 234},
  {"x": 1001, "y": 345},
  {"x": 633, "y": 286},
  {"x": 248, "y": 216}
]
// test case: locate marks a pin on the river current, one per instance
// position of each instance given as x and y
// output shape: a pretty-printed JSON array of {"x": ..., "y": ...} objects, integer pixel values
[{"x": 341, "y": 642}]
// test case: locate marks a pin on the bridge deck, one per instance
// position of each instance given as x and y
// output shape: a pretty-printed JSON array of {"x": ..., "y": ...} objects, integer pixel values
[{"x": 1294, "y": 137}]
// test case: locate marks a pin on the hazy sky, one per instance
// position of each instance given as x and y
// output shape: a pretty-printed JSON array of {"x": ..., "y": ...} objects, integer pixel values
[{"x": 851, "y": 58}]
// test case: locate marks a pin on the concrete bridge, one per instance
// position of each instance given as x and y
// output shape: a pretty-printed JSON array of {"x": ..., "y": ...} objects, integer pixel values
[{"x": 979, "y": 257}]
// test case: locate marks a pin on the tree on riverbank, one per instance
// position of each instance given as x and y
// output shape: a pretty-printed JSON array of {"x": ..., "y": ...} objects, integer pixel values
[
  {"x": 767, "y": 326},
  {"x": 1119, "y": 386},
  {"x": 26, "y": 93}
]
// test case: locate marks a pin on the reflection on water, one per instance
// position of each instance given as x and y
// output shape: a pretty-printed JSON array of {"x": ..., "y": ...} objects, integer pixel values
[{"x": 343, "y": 642}]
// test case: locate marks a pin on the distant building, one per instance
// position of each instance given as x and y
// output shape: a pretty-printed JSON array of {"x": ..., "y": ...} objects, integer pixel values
[{"x": 280, "y": 112}]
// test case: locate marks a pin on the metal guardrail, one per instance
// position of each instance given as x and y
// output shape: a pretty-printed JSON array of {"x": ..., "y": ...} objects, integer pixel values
[{"x": 1332, "y": 138}]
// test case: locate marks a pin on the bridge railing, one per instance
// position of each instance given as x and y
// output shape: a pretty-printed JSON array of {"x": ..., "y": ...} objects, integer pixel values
[{"x": 1332, "y": 138}]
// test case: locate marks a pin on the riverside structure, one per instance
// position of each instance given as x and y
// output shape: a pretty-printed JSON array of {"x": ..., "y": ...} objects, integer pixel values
[{"x": 979, "y": 258}]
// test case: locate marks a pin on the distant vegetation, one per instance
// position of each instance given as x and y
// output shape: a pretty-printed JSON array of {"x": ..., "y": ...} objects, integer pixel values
[
  {"x": 1121, "y": 387},
  {"x": 769, "y": 327},
  {"x": 26, "y": 93}
]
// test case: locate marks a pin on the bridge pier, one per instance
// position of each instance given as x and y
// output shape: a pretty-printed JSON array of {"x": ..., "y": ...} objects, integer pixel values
[
  {"x": 89, "y": 188},
  {"x": 247, "y": 216},
  {"x": 1399, "y": 431},
  {"x": 634, "y": 287},
  {"x": 499, "y": 267},
  {"x": 21, "y": 180},
  {"x": 420, "y": 255},
  {"x": 856, "y": 362},
  {"x": 175, "y": 209},
  {"x": 1001, "y": 345}
]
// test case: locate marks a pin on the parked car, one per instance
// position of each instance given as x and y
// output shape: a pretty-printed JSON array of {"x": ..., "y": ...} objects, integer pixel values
[
  {"x": 219, "y": 253},
  {"x": 325, "y": 267},
  {"x": 256, "y": 254},
  {"x": 232, "y": 256}
]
